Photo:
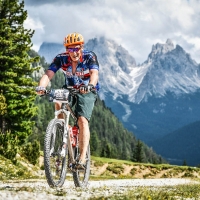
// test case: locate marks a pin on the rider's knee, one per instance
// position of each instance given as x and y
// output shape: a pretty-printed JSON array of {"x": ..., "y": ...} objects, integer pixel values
[
  {"x": 82, "y": 121},
  {"x": 58, "y": 105}
]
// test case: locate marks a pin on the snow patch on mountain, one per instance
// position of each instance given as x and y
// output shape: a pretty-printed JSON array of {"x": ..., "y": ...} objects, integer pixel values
[{"x": 127, "y": 110}]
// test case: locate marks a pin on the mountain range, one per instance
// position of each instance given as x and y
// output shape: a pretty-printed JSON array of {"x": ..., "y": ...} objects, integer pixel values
[
  {"x": 181, "y": 145},
  {"x": 152, "y": 99}
]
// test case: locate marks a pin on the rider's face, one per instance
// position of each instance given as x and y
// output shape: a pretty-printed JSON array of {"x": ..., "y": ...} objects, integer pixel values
[{"x": 74, "y": 52}]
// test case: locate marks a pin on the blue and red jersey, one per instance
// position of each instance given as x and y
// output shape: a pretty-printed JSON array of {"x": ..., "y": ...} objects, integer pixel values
[{"x": 82, "y": 75}]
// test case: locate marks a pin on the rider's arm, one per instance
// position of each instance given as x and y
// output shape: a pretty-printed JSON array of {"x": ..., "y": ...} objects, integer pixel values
[
  {"x": 94, "y": 75},
  {"x": 53, "y": 68},
  {"x": 93, "y": 68},
  {"x": 44, "y": 81}
]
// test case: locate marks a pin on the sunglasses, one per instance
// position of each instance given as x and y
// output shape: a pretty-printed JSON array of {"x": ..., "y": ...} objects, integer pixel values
[{"x": 71, "y": 50}]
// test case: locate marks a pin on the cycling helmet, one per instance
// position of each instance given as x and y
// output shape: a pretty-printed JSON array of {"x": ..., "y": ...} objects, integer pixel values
[{"x": 73, "y": 38}]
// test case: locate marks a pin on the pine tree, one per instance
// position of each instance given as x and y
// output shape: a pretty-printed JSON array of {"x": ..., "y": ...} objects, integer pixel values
[
  {"x": 138, "y": 154},
  {"x": 184, "y": 163},
  {"x": 2, "y": 104},
  {"x": 16, "y": 83},
  {"x": 3, "y": 111},
  {"x": 94, "y": 143}
]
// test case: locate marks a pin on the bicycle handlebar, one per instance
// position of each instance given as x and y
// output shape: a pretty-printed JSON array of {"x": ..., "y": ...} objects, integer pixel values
[
  {"x": 62, "y": 94},
  {"x": 71, "y": 90}
]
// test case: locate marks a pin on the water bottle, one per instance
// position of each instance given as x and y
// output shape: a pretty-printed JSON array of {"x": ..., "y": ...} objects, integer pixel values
[{"x": 75, "y": 132}]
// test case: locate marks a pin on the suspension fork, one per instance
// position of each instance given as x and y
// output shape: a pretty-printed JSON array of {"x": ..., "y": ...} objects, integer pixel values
[
  {"x": 66, "y": 137},
  {"x": 67, "y": 134}
]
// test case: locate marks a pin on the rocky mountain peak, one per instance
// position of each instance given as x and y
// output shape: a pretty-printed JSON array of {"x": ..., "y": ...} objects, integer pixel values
[
  {"x": 159, "y": 49},
  {"x": 109, "y": 51},
  {"x": 170, "y": 70}
]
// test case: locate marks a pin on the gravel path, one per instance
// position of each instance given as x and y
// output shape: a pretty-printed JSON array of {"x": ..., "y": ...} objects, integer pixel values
[{"x": 39, "y": 189}]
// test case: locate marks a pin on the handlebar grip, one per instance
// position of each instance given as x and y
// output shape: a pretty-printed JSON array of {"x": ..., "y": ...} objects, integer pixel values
[{"x": 40, "y": 88}]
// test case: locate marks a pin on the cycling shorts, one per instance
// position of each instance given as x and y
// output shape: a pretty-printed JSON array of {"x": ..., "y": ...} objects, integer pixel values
[{"x": 85, "y": 104}]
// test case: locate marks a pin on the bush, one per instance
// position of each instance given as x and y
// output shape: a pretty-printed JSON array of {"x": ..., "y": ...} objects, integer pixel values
[
  {"x": 98, "y": 164},
  {"x": 9, "y": 146},
  {"x": 133, "y": 171},
  {"x": 31, "y": 151},
  {"x": 116, "y": 169}
]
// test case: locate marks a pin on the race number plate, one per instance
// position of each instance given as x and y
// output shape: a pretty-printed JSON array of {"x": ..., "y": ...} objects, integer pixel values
[{"x": 61, "y": 94}]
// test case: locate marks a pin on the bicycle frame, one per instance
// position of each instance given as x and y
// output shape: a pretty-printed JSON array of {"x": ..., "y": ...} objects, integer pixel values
[{"x": 67, "y": 111}]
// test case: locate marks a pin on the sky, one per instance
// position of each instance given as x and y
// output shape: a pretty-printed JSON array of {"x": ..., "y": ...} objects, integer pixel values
[{"x": 134, "y": 24}]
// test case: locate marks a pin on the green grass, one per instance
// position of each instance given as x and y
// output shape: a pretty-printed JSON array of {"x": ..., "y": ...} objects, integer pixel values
[
  {"x": 181, "y": 192},
  {"x": 110, "y": 160},
  {"x": 157, "y": 166}
]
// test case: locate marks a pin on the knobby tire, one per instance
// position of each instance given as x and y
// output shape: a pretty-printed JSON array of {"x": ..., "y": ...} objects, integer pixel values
[
  {"x": 81, "y": 177},
  {"x": 53, "y": 143}
]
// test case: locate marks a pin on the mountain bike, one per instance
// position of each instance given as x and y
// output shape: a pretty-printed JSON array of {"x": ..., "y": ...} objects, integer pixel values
[{"x": 61, "y": 143}]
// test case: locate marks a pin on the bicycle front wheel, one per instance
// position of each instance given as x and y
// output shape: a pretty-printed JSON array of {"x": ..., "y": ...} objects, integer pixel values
[
  {"x": 54, "y": 162},
  {"x": 81, "y": 177}
]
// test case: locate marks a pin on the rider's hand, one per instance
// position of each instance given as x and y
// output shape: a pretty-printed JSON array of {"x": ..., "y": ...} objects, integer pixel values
[
  {"x": 40, "y": 90},
  {"x": 86, "y": 88}
]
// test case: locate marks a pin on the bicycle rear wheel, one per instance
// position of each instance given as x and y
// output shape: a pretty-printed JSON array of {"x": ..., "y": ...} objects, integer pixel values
[
  {"x": 81, "y": 177},
  {"x": 54, "y": 163}
]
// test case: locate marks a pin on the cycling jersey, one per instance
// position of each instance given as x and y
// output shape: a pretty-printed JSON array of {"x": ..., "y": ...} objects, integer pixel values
[{"x": 82, "y": 75}]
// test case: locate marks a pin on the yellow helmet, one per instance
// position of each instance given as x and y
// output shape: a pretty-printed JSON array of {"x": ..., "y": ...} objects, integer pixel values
[{"x": 73, "y": 38}]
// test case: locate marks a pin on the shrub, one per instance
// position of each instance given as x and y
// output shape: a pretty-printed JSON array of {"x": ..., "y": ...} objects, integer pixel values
[
  {"x": 31, "y": 151},
  {"x": 116, "y": 169},
  {"x": 9, "y": 146},
  {"x": 98, "y": 164},
  {"x": 133, "y": 171}
]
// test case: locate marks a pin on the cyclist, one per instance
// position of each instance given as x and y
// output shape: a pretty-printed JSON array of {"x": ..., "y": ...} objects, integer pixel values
[{"x": 80, "y": 68}]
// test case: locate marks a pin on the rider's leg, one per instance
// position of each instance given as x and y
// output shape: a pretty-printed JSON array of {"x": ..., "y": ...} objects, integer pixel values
[
  {"x": 84, "y": 137},
  {"x": 83, "y": 110},
  {"x": 58, "y": 107}
]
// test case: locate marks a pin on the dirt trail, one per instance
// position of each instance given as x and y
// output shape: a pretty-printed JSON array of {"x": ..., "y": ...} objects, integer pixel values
[{"x": 39, "y": 189}]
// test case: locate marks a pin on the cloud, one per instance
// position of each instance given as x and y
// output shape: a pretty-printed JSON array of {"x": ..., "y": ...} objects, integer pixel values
[
  {"x": 56, "y": 2},
  {"x": 136, "y": 25}
]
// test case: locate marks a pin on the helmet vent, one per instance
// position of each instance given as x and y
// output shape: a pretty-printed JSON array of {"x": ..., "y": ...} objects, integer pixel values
[{"x": 73, "y": 39}]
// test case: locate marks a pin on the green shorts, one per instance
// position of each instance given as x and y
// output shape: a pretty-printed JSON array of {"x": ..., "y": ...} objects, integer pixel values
[{"x": 85, "y": 104}]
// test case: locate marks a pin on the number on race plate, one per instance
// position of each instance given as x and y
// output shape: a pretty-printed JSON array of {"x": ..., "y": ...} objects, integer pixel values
[{"x": 61, "y": 94}]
